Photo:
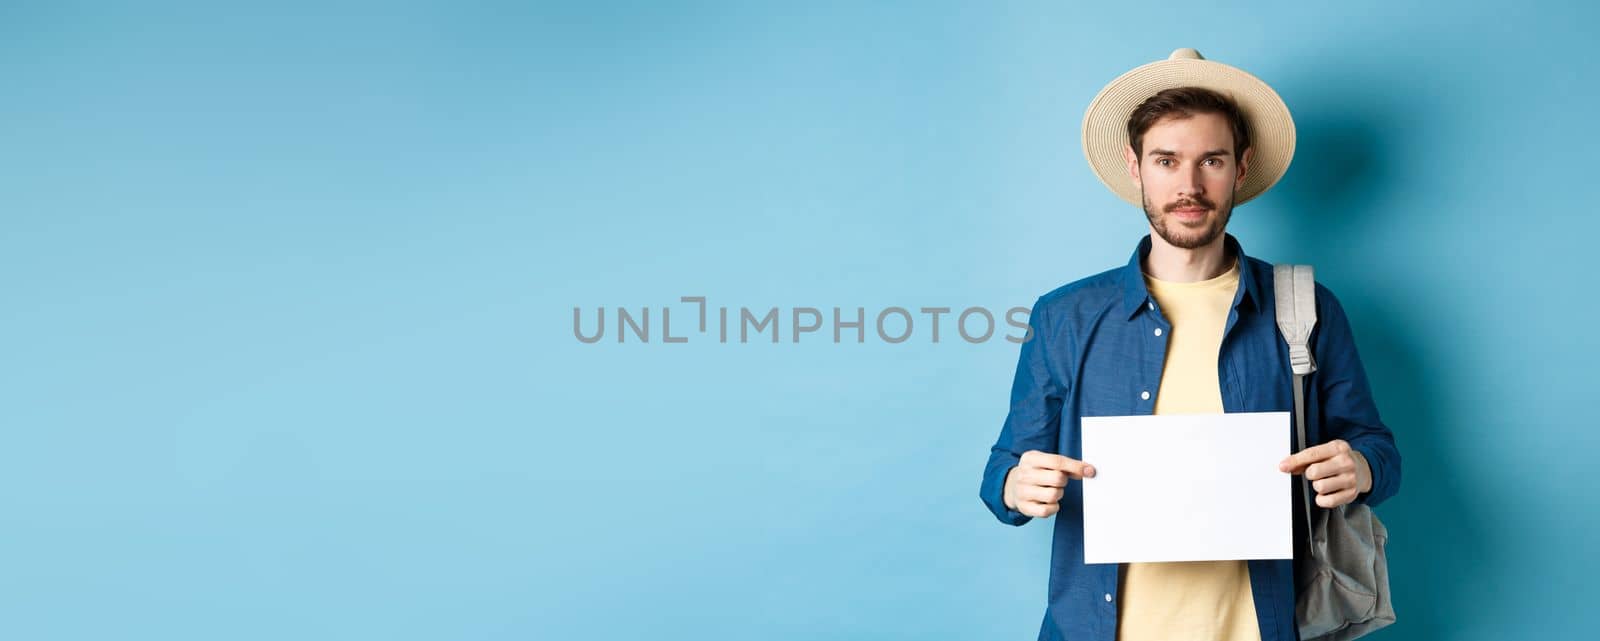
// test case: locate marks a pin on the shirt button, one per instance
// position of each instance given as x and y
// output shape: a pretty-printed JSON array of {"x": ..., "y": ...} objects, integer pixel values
[
  {"x": 1152, "y": 305},
  {"x": 1108, "y": 597},
  {"x": 1158, "y": 331},
  {"x": 1144, "y": 395}
]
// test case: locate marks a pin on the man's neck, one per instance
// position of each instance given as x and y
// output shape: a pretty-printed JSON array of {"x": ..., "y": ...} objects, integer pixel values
[{"x": 1175, "y": 264}]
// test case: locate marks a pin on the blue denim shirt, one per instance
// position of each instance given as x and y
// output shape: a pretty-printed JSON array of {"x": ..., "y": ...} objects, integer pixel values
[{"x": 1095, "y": 351}]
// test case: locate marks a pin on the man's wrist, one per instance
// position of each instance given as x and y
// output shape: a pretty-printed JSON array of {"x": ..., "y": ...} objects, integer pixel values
[
  {"x": 1363, "y": 472},
  {"x": 1005, "y": 490}
]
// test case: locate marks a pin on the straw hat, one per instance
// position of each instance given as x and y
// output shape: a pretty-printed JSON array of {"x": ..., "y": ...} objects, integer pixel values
[{"x": 1105, "y": 124}]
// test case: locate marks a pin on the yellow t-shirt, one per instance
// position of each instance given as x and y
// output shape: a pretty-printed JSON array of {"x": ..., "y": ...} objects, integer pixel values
[{"x": 1200, "y": 599}]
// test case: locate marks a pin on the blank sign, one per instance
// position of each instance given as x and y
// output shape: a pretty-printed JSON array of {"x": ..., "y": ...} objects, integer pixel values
[{"x": 1187, "y": 487}]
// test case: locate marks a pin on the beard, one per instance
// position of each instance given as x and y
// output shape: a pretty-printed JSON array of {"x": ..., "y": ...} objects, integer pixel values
[{"x": 1188, "y": 235}]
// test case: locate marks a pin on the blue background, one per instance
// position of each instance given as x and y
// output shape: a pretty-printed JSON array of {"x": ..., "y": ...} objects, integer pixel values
[{"x": 288, "y": 292}]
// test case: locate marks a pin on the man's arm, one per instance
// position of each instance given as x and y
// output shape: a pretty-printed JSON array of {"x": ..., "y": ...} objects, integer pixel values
[
  {"x": 1346, "y": 407},
  {"x": 1032, "y": 422}
]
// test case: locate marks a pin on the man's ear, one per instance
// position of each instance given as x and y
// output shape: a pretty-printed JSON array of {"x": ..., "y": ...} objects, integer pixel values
[
  {"x": 1133, "y": 164},
  {"x": 1244, "y": 167}
]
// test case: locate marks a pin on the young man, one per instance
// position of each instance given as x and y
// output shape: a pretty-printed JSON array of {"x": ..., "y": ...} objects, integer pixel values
[{"x": 1187, "y": 326}]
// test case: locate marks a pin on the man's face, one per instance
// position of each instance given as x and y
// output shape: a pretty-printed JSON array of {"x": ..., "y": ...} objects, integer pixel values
[{"x": 1187, "y": 178}]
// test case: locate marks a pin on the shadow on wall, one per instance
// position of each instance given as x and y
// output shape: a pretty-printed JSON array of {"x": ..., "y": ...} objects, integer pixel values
[{"x": 1440, "y": 559}]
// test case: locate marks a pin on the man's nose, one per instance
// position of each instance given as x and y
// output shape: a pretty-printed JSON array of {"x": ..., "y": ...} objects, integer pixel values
[{"x": 1192, "y": 185}]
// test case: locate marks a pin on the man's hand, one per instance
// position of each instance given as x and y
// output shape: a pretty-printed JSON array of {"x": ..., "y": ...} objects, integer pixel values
[
  {"x": 1337, "y": 472},
  {"x": 1035, "y": 486}
]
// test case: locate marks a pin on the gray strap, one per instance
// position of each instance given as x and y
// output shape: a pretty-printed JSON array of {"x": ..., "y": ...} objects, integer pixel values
[
  {"x": 1296, "y": 292},
  {"x": 1297, "y": 313}
]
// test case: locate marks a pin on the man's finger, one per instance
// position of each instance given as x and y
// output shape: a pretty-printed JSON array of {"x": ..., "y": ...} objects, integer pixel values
[
  {"x": 1047, "y": 478},
  {"x": 1298, "y": 461},
  {"x": 1039, "y": 510},
  {"x": 1074, "y": 468},
  {"x": 1333, "y": 484},
  {"x": 1040, "y": 504},
  {"x": 1041, "y": 494},
  {"x": 1337, "y": 498},
  {"x": 1328, "y": 468}
]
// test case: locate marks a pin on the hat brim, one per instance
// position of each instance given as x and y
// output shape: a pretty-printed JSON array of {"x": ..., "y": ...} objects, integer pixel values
[{"x": 1105, "y": 123}]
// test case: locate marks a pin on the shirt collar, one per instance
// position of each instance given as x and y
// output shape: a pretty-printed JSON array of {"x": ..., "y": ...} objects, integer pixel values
[{"x": 1135, "y": 296}]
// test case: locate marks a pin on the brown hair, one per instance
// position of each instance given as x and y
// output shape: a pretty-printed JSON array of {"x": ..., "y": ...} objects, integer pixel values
[{"x": 1185, "y": 102}]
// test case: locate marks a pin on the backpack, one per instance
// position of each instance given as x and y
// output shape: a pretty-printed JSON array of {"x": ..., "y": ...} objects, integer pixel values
[{"x": 1344, "y": 588}]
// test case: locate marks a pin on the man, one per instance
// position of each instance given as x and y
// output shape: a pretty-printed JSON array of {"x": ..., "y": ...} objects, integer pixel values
[{"x": 1187, "y": 326}]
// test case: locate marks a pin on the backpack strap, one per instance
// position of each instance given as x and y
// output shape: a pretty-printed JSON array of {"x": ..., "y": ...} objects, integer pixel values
[{"x": 1296, "y": 292}]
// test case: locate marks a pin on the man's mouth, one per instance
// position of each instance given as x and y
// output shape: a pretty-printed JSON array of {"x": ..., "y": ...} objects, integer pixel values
[{"x": 1190, "y": 213}]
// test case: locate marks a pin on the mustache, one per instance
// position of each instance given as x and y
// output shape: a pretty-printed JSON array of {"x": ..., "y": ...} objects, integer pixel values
[{"x": 1198, "y": 201}]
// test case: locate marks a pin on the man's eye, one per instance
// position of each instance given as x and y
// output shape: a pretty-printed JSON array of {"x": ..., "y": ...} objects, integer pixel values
[
  {"x": 1214, "y": 162},
  {"x": 1163, "y": 161}
]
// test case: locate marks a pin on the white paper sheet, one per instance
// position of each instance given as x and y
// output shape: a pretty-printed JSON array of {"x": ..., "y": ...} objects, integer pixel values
[{"x": 1195, "y": 487}]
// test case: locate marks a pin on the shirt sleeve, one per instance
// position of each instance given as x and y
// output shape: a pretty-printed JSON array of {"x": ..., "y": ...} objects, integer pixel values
[
  {"x": 1033, "y": 420},
  {"x": 1345, "y": 403}
]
